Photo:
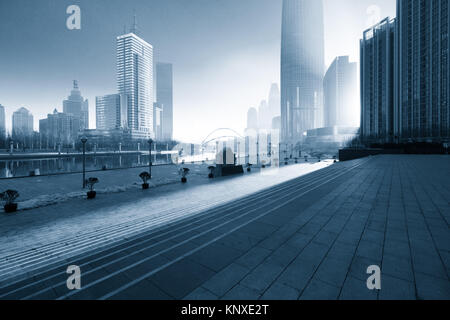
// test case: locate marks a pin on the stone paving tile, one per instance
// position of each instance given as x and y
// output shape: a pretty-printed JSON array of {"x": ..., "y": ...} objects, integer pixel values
[
  {"x": 319, "y": 290},
  {"x": 181, "y": 278},
  {"x": 279, "y": 291},
  {"x": 397, "y": 267},
  {"x": 356, "y": 289},
  {"x": 371, "y": 250},
  {"x": 253, "y": 257},
  {"x": 396, "y": 289},
  {"x": 201, "y": 294},
  {"x": 143, "y": 290},
  {"x": 431, "y": 288},
  {"x": 241, "y": 292},
  {"x": 262, "y": 276},
  {"x": 333, "y": 271},
  {"x": 226, "y": 279},
  {"x": 298, "y": 274},
  {"x": 216, "y": 256},
  {"x": 359, "y": 265}
]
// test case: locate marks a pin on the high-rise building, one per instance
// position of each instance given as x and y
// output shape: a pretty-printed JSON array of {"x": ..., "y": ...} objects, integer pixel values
[
  {"x": 274, "y": 100},
  {"x": 378, "y": 117},
  {"x": 111, "y": 112},
  {"x": 135, "y": 79},
  {"x": 264, "y": 116},
  {"x": 302, "y": 67},
  {"x": 2, "y": 125},
  {"x": 77, "y": 106},
  {"x": 22, "y": 124},
  {"x": 423, "y": 70},
  {"x": 252, "y": 119},
  {"x": 59, "y": 128},
  {"x": 341, "y": 93},
  {"x": 158, "y": 121},
  {"x": 164, "y": 94}
]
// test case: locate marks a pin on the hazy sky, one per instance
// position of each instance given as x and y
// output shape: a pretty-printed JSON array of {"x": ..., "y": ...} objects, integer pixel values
[{"x": 226, "y": 53}]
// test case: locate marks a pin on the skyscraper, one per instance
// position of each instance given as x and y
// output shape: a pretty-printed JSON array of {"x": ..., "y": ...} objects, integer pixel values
[
  {"x": 264, "y": 116},
  {"x": 341, "y": 93},
  {"x": 22, "y": 124},
  {"x": 252, "y": 119},
  {"x": 378, "y": 116},
  {"x": 2, "y": 125},
  {"x": 77, "y": 106},
  {"x": 423, "y": 70},
  {"x": 302, "y": 67},
  {"x": 59, "y": 128},
  {"x": 135, "y": 79},
  {"x": 274, "y": 100},
  {"x": 164, "y": 94},
  {"x": 111, "y": 112}
]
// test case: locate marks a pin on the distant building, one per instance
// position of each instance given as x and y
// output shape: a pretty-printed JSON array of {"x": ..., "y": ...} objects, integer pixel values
[
  {"x": 302, "y": 68},
  {"x": 111, "y": 112},
  {"x": 377, "y": 60},
  {"x": 59, "y": 128},
  {"x": 252, "y": 119},
  {"x": 77, "y": 106},
  {"x": 341, "y": 93},
  {"x": 423, "y": 70},
  {"x": 2, "y": 126},
  {"x": 22, "y": 124},
  {"x": 135, "y": 80},
  {"x": 329, "y": 138},
  {"x": 164, "y": 94},
  {"x": 276, "y": 123},
  {"x": 158, "y": 122},
  {"x": 274, "y": 101},
  {"x": 264, "y": 116}
]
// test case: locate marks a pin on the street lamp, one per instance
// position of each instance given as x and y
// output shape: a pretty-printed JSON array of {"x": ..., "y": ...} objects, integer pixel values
[
  {"x": 150, "y": 142},
  {"x": 83, "y": 141}
]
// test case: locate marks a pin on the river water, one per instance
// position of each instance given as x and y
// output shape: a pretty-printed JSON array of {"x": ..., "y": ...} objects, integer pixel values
[{"x": 27, "y": 167}]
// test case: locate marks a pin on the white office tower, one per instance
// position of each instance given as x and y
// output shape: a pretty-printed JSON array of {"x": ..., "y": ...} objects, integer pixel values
[{"x": 135, "y": 79}]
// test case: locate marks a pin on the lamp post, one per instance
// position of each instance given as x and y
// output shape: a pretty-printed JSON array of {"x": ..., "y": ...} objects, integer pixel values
[
  {"x": 83, "y": 141},
  {"x": 150, "y": 142}
]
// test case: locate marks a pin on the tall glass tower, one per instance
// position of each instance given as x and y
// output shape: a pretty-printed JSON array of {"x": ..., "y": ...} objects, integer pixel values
[
  {"x": 135, "y": 79},
  {"x": 164, "y": 93},
  {"x": 424, "y": 70},
  {"x": 302, "y": 67}
]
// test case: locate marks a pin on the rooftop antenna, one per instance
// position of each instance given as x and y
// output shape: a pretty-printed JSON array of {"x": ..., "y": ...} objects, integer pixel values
[
  {"x": 75, "y": 84},
  {"x": 134, "y": 29}
]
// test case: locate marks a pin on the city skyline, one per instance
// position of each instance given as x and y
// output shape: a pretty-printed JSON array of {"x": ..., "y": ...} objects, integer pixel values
[{"x": 47, "y": 94}]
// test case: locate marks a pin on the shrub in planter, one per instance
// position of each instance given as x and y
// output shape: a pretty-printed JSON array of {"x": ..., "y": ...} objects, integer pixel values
[
  {"x": 145, "y": 176},
  {"x": 90, "y": 183},
  {"x": 184, "y": 172},
  {"x": 249, "y": 167},
  {"x": 263, "y": 164},
  {"x": 9, "y": 196},
  {"x": 211, "y": 171}
]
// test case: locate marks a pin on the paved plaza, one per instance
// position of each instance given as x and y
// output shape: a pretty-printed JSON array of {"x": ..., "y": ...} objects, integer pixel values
[{"x": 312, "y": 237}]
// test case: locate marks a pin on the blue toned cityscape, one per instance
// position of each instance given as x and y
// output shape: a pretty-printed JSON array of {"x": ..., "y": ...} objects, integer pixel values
[{"x": 236, "y": 150}]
